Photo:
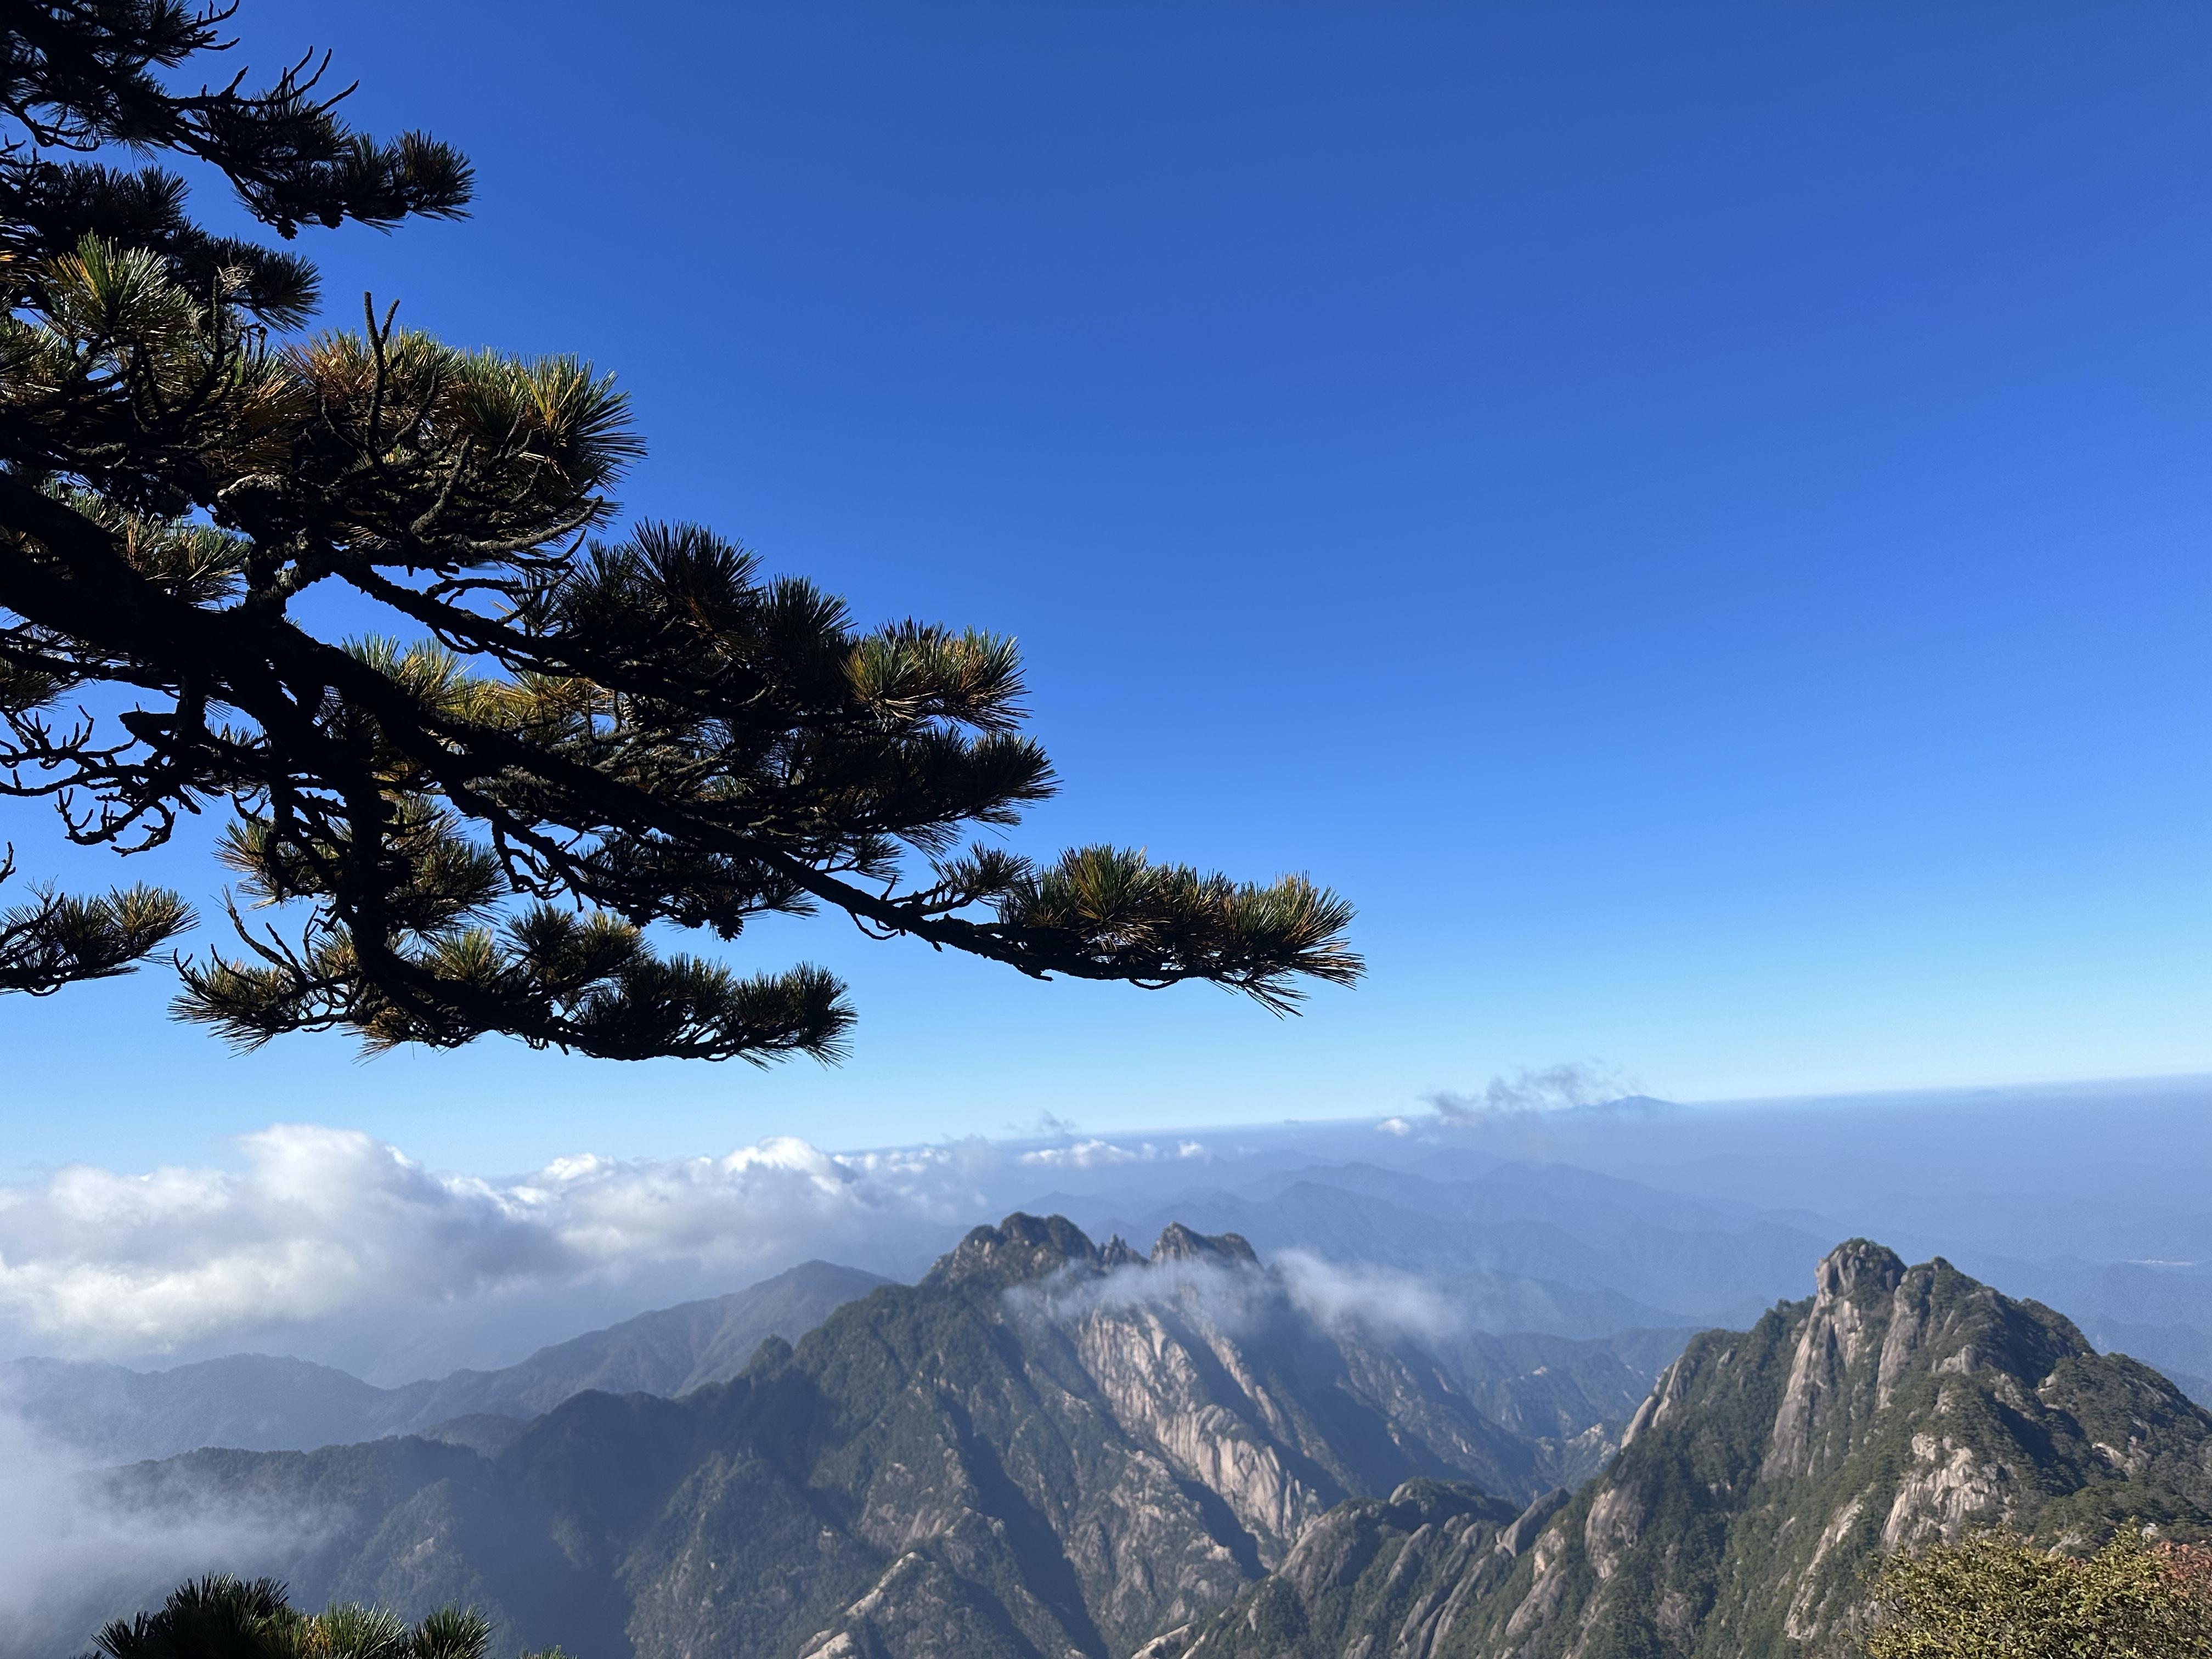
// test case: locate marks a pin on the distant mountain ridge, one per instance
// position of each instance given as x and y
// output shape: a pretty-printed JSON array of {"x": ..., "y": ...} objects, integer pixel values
[
  {"x": 1518, "y": 1247},
  {"x": 1766, "y": 1472},
  {"x": 260, "y": 1403}
]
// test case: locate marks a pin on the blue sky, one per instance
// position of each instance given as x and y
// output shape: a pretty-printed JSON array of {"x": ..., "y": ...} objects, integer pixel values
[{"x": 1692, "y": 517}]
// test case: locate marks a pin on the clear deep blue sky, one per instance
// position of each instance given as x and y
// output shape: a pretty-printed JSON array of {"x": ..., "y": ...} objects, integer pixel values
[{"x": 1694, "y": 517}]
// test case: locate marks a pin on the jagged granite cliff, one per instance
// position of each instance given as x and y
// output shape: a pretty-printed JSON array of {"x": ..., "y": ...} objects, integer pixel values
[
  {"x": 1768, "y": 1469},
  {"x": 1045, "y": 1448}
]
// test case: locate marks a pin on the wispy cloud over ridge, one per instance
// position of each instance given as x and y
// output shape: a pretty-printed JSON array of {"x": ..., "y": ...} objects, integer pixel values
[
  {"x": 1381, "y": 1300},
  {"x": 1336, "y": 1296},
  {"x": 68, "y": 1540}
]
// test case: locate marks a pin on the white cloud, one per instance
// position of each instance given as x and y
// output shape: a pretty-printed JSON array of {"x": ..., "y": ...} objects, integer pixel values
[
  {"x": 1379, "y": 1302},
  {"x": 1229, "y": 1296},
  {"x": 1377, "y": 1299},
  {"x": 1099, "y": 1154},
  {"x": 71, "y": 1551},
  {"x": 330, "y": 1244},
  {"x": 1395, "y": 1126},
  {"x": 323, "y": 1222},
  {"x": 1550, "y": 1089}
]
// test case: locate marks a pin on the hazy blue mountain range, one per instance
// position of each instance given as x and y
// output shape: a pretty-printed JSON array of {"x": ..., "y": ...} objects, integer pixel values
[
  {"x": 1515, "y": 1246},
  {"x": 2089, "y": 1197},
  {"x": 1046, "y": 1447},
  {"x": 1589, "y": 1220},
  {"x": 1580, "y": 1222},
  {"x": 1768, "y": 1469},
  {"x": 1557, "y": 1387},
  {"x": 1511, "y": 1244},
  {"x": 260, "y": 1403}
]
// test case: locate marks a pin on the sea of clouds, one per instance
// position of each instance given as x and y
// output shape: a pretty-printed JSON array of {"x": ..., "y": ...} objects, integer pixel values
[
  {"x": 330, "y": 1244},
  {"x": 331, "y": 1226}
]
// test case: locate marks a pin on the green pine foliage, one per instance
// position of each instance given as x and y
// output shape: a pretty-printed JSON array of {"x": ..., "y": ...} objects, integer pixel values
[
  {"x": 220, "y": 1616},
  {"x": 59, "y": 939},
  {"x": 1995, "y": 1596},
  {"x": 586, "y": 734}
]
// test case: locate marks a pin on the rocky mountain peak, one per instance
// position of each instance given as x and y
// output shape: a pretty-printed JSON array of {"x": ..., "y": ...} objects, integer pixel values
[
  {"x": 1859, "y": 1270},
  {"x": 1770, "y": 1468},
  {"x": 1019, "y": 1249},
  {"x": 1180, "y": 1243},
  {"x": 1023, "y": 1248},
  {"x": 1897, "y": 1405}
]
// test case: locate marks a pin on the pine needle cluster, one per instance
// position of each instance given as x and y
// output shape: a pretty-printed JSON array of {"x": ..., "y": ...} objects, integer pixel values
[
  {"x": 1993, "y": 1595},
  {"x": 222, "y": 1617},
  {"x": 580, "y": 736}
]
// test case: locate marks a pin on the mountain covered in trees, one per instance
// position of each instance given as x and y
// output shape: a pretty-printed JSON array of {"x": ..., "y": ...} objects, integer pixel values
[
  {"x": 1053, "y": 1447},
  {"x": 1045, "y": 1446},
  {"x": 1766, "y": 1472}
]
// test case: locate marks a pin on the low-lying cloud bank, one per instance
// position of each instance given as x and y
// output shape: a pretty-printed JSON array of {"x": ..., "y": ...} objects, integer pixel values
[
  {"x": 322, "y": 1221},
  {"x": 327, "y": 1244},
  {"x": 1545, "y": 1089},
  {"x": 68, "y": 1540},
  {"x": 1379, "y": 1300},
  {"x": 326, "y": 1236},
  {"x": 1096, "y": 1154}
]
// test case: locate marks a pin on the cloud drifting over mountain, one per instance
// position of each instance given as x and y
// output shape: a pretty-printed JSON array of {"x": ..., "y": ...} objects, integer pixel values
[
  {"x": 322, "y": 1222},
  {"x": 67, "y": 1541},
  {"x": 1387, "y": 1303},
  {"x": 1337, "y": 1296}
]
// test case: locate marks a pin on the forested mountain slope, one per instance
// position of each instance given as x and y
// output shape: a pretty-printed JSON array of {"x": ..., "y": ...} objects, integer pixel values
[
  {"x": 1766, "y": 1471},
  {"x": 1044, "y": 1447}
]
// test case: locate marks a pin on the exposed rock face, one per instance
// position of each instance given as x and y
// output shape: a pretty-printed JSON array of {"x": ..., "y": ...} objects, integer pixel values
[
  {"x": 1020, "y": 1250},
  {"x": 1179, "y": 1243},
  {"x": 1374, "y": 1579},
  {"x": 1044, "y": 1449},
  {"x": 1763, "y": 1474}
]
